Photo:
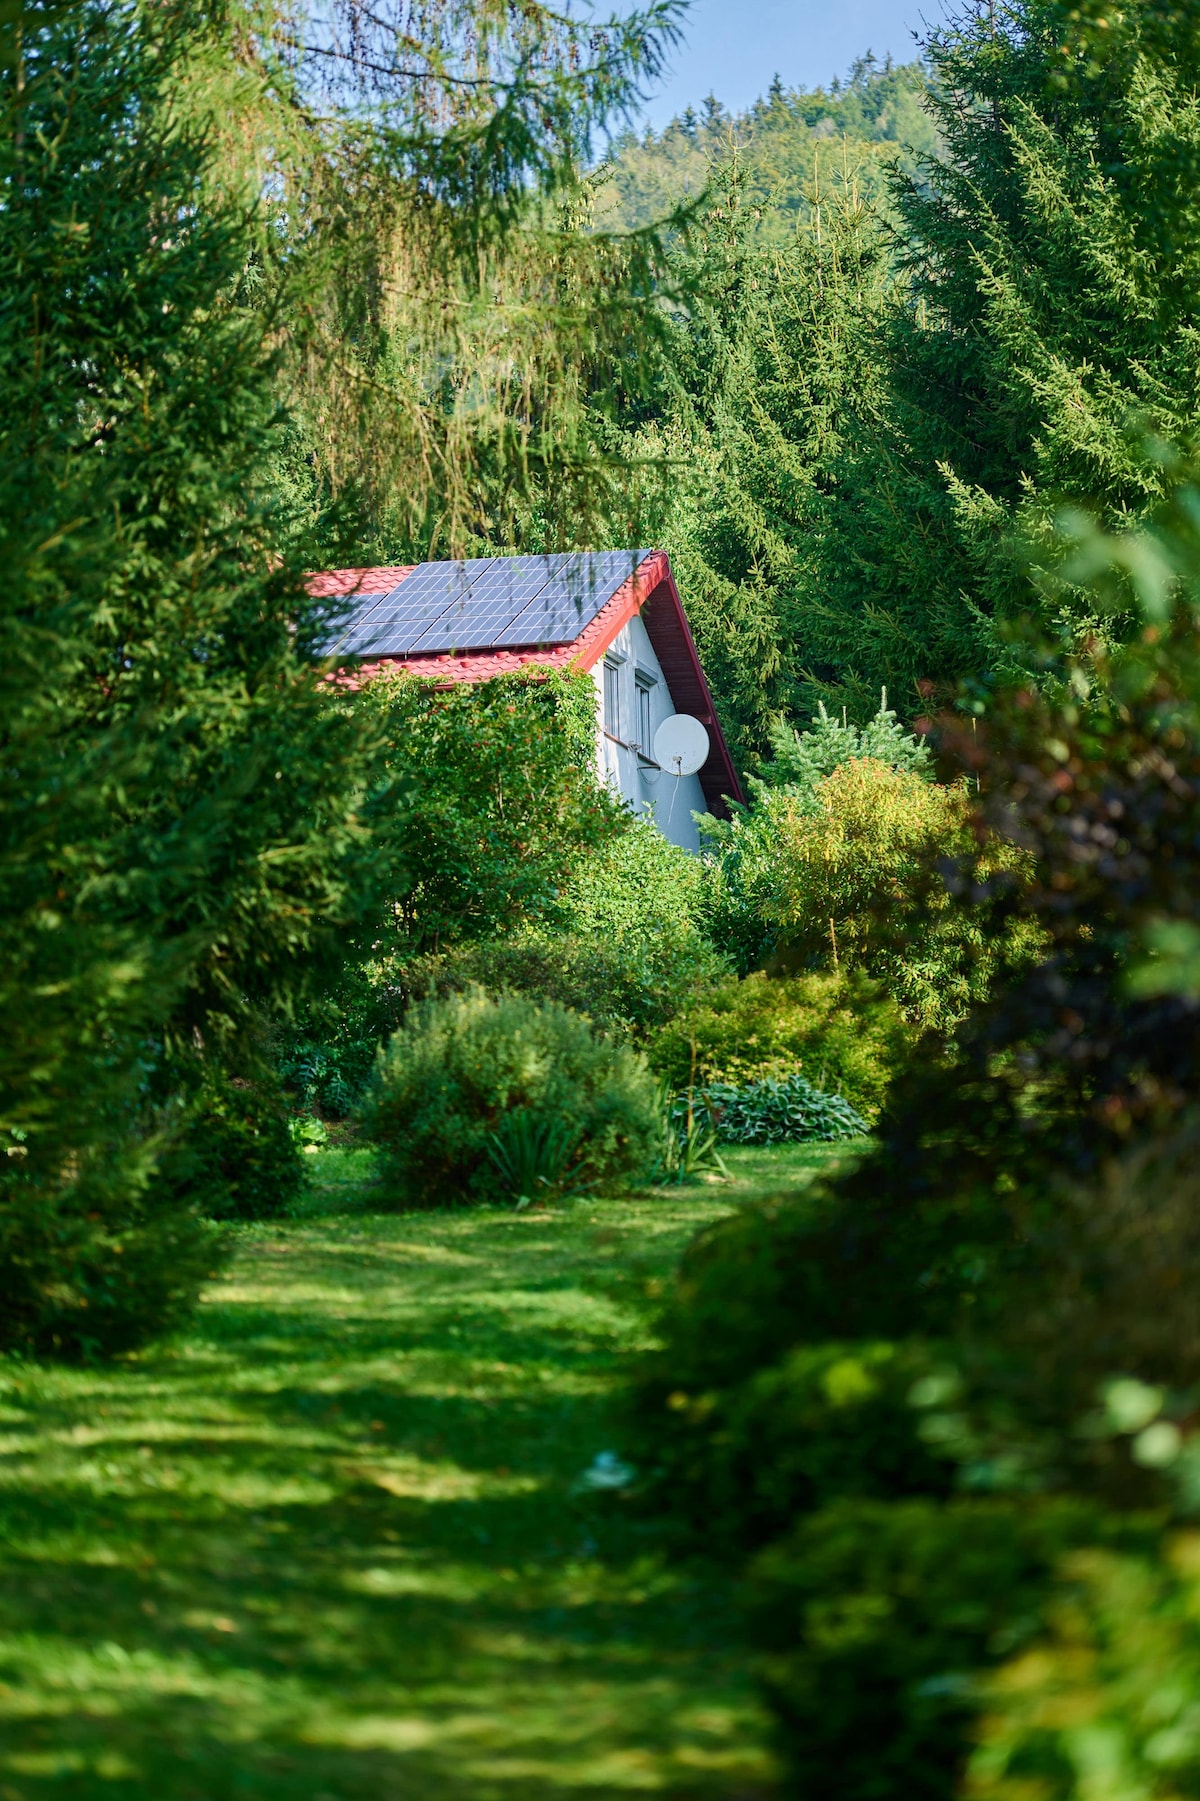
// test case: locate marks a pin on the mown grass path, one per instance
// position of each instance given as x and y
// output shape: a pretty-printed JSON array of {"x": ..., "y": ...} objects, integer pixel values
[{"x": 333, "y": 1546}]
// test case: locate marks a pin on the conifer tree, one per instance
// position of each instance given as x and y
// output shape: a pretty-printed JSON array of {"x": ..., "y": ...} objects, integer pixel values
[
  {"x": 778, "y": 349},
  {"x": 1045, "y": 326},
  {"x": 886, "y": 415},
  {"x": 177, "y": 799}
]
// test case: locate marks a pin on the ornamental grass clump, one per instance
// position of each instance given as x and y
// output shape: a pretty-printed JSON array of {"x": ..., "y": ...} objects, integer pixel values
[{"x": 481, "y": 1097}]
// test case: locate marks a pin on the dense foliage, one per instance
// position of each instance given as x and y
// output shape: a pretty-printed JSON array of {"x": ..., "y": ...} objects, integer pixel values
[
  {"x": 500, "y": 803},
  {"x": 630, "y": 945},
  {"x": 177, "y": 800},
  {"x": 982, "y": 1334},
  {"x": 840, "y": 872},
  {"x": 237, "y": 1156},
  {"x": 500, "y": 862},
  {"x": 836, "y": 1030},
  {"x": 878, "y": 397}
]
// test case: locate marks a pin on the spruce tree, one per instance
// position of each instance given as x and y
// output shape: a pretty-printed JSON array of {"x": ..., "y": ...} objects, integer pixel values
[
  {"x": 1043, "y": 326},
  {"x": 177, "y": 796},
  {"x": 777, "y": 349},
  {"x": 886, "y": 417}
]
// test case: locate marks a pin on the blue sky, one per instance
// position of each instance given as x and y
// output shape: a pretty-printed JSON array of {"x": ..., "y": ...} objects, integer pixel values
[{"x": 733, "y": 47}]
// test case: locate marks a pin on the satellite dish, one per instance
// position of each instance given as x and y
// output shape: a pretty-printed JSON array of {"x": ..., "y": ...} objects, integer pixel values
[{"x": 681, "y": 745}]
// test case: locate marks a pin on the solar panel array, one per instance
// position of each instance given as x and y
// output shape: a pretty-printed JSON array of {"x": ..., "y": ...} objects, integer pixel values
[{"x": 485, "y": 603}]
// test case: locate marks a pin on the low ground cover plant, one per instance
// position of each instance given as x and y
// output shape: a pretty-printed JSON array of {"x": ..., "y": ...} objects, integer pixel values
[
  {"x": 480, "y": 1095},
  {"x": 790, "y": 1111}
]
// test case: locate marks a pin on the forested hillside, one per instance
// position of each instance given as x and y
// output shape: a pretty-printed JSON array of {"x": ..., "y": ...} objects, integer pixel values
[{"x": 787, "y": 141}]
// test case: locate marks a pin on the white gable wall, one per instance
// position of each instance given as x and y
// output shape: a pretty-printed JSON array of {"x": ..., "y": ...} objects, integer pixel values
[{"x": 626, "y": 764}]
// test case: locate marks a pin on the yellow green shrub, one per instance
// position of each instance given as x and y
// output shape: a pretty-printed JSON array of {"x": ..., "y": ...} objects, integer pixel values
[{"x": 834, "y": 1028}]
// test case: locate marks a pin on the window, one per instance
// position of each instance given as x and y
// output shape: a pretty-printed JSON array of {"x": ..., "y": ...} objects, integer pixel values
[
  {"x": 645, "y": 715},
  {"x": 612, "y": 698}
]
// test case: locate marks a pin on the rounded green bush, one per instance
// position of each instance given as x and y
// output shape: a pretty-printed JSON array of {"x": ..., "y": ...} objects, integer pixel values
[{"x": 479, "y": 1096}]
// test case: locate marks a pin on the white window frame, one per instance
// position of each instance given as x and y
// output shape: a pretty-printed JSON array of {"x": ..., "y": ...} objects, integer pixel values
[
  {"x": 644, "y": 686},
  {"x": 612, "y": 698}
]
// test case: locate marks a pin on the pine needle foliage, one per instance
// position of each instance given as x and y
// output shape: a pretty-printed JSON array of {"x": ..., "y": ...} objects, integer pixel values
[
  {"x": 885, "y": 414},
  {"x": 800, "y": 759},
  {"x": 772, "y": 358}
]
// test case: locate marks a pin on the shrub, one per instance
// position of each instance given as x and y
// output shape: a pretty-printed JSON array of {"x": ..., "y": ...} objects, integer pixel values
[
  {"x": 872, "y": 1620},
  {"x": 237, "y": 1157},
  {"x": 327, "y": 1053},
  {"x": 460, "y": 1068},
  {"x": 836, "y": 1029},
  {"x": 625, "y": 985},
  {"x": 618, "y": 940},
  {"x": 849, "y": 874},
  {"x": 501, "y": 801},
  {"x": 534, "y": 1155},
  {"x": 630, "y": 951},
  {"x": 749, "y": 1288},
  {"x": 734, "y": 1465},
  {"x": 109, "y": 1260},
  {"x": 639, "y": 902},
  {"x": 752, "y": 1289}
]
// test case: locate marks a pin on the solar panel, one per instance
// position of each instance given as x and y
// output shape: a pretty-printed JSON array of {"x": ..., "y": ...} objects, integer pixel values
[
  {"x": 481, "y": 597},
  {"x": 572, "y": 598},
  {"x": 385, "y": 624},
  {"x": 483, "y": 603}
]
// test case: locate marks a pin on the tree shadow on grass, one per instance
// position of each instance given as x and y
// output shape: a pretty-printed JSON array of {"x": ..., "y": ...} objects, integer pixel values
[{"x": 370, "y": 1645}]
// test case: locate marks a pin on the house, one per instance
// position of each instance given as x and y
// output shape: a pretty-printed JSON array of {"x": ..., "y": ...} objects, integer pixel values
[{"x": 616, "y": 614}]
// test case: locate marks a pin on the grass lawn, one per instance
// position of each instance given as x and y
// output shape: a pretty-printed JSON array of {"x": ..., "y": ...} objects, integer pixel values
[{"x": 334, "y": 1545}]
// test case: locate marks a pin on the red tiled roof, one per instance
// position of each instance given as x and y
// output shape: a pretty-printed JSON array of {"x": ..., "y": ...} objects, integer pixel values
[{"x": 357, "y": 581}]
